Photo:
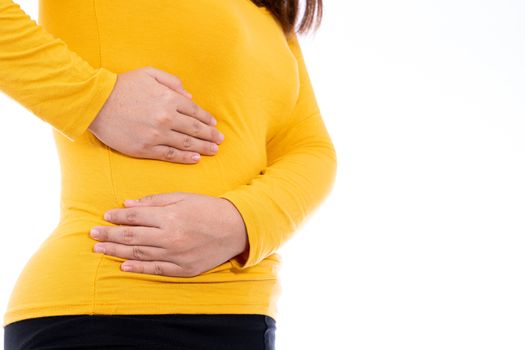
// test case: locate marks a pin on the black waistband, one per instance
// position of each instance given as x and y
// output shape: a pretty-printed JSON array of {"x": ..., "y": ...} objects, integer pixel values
[{"x": 152, "y": 331}]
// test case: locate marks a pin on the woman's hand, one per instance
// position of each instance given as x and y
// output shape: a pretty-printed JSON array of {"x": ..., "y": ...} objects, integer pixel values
[
  {"x": 173, "y": 234},
  {"x": 150, "y": 115}
]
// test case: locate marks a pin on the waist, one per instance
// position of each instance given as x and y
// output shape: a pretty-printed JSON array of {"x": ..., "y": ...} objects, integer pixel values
[{"x": 96, "y": 178}]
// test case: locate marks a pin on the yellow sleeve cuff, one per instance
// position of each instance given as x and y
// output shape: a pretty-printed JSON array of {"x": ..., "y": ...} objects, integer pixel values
[{"x": 105, "y": 82}]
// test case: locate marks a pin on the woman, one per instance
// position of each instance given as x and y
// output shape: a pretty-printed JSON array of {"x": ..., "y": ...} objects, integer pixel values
[{"x": 192, "y": 263}]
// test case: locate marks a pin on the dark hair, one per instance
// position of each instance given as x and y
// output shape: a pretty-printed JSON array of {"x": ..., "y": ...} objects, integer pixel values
[{"x": 287, "y": 13}]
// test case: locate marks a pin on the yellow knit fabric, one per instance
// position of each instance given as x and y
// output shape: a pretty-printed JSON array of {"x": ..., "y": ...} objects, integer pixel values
[{"x": 276, "y": 165}]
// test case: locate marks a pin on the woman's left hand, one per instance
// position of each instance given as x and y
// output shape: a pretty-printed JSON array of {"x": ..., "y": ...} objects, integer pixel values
[{"x": 173, "y": 234}]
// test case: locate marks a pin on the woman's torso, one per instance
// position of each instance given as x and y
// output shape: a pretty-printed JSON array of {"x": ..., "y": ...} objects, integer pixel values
[{"x": 234, "y": 59}]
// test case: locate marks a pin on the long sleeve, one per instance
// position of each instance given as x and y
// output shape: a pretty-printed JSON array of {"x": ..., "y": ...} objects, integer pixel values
[
  {"x": 39, "y": 71},
  {"x": 300, "y": 173}
]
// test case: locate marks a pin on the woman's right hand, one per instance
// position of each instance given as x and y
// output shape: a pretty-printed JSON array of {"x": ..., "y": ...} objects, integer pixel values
[{"x": 150, "y": 115}]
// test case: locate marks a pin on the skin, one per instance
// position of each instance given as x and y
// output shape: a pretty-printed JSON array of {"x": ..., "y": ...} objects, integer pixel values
[
  {"x": 150, "y": 115},
  {"x": 168, "y": 234},
  {"x": 179, "y": 234}
]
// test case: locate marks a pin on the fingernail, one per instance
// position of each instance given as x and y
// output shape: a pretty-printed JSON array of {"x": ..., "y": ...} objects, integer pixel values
[
  {"x": 130, "y": 201},
  {"x": 213, "y": 121},
  {"x": 126, "y": 268},
  {"x": 214, "y": 147},
  {"x": 221, "y": 137},
  {"x": 196, "y": 157},
  {"x": 99, "y": 249},
  {"x": 107, "y": 216},
  {"x": 94, "y": 233}
]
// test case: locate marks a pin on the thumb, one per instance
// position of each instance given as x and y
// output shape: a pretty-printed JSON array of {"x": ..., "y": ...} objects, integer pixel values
[
  {"x": 159, "y": 199},
  {"x": 168, "y": 80}
]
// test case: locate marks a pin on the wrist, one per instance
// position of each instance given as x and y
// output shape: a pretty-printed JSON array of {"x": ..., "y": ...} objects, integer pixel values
[{"x": 238, "y": 229}]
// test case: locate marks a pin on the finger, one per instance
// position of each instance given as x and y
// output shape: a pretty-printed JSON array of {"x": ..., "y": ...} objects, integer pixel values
[
  {"x": 136, "y": 252},
  {"x": 129, "y": 235},
  {"x": 172, "y": 154},
  {"x": 169, "y": 80},
  {"x": 141, "y": 216},
  {"x": 192, "y": 109},
  {"x": 193, "y": 127},
  {"x": 156, "y": 268},
  {"x": 184, "y": 142},
  {"x": 160, "y": 199}
]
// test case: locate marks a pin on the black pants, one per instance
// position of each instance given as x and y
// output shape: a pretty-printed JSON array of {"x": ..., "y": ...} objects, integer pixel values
[{"x": 173, "y": 331}]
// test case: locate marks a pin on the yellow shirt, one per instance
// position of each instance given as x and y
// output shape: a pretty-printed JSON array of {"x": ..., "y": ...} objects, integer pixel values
[{"x": 276, "y": 165}]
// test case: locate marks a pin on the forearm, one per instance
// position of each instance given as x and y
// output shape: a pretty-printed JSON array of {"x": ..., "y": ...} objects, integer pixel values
[
  {"x": 39, "y": 71},
  {"x": 300, "y": 173},
  {"x": 274, "y": 204}
]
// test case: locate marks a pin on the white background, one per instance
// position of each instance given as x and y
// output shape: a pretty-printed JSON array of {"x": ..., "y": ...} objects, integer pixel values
[{"x": 420, "y": 245}]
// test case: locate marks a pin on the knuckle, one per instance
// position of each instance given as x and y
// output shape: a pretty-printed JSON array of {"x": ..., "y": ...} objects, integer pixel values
[
  {"x": 155, "y": 134},
  {"x": 157, "y": 269},
  {"x": 127, "y": 235},
  {"x": 196, "y": 126},
  {"x": 187, "y": 142},
  {"x": 168, "y": 96},
  {"x": 131, "y": 216},
  {"x": 138, "y": 253},
  {"x": 194, "y": 108},
  {"x": 162, "y": 119},
  {"x": 169, "y": 154}
]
